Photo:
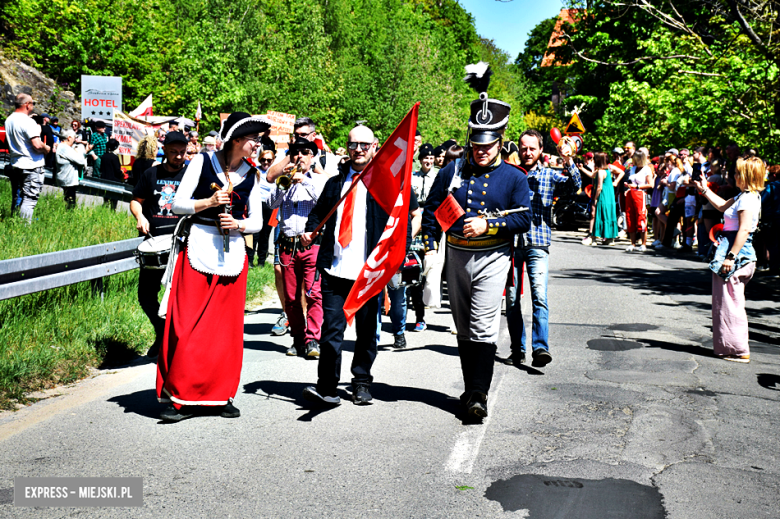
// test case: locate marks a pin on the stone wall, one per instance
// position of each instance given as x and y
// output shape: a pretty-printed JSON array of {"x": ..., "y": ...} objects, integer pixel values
[{"x": 16, "y": 78}]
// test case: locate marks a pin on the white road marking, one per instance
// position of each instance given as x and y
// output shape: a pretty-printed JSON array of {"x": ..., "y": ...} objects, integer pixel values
[{"x": 466, "y": 448}]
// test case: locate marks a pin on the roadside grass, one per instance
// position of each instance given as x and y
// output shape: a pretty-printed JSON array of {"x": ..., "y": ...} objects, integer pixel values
[{"x": 55, "y": 337}]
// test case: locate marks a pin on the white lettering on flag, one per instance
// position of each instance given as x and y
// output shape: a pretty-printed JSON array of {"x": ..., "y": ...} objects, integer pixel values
[{"x": 399, "y": 161}]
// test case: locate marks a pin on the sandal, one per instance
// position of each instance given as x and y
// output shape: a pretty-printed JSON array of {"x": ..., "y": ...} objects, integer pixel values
[{"x": 744, "y": 359}]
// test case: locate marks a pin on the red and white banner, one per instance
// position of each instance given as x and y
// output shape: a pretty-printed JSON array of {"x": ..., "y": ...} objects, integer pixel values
[
  {"x": 389, "y": 180},
  {"x": 144, "y": 109}
]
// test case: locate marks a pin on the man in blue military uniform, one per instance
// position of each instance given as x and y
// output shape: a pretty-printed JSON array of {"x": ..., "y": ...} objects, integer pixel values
[{"x": 495, "y": 199}]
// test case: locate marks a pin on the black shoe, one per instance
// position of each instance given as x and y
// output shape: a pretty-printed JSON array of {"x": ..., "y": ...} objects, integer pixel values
[
  {"x": 171, "y": 414},
  {"x": 399, "y": 341},
  {"x": 296, "y": 348},
  {"x": 541, "y": 358},
  {"x": 230, "y": 411},
  {"x": 360, "y": 395},
  {"x": 515, "y": 358},
  {"x": 312, "y": 349},
  {"x": 153, "y": 351},
  {"x": 476, "y": 408},
  {"x": 311, "y": 394}
]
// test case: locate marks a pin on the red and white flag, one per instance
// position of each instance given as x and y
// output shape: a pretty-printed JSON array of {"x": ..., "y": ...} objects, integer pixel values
[
  {"x": 389, "y": 180},
  {"x": 144, "y": 109}
]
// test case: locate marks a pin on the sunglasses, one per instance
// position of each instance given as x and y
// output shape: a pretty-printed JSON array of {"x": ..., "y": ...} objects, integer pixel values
[
  {"x": 303, "y": 134},
  {"x": 256, "y": 140},
  {"x": 266, "y": 160},
  {"x": 363, "y": 145},
  {"x": 304, "y": 151}
]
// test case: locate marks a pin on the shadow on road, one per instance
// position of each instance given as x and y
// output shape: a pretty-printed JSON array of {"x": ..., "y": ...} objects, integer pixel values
[
  {"x": 769, "y": 381},
  {"x": 142, "y": 403},
  {"x": 291, "y": 392},
  {"x": 682, "y": 348}
]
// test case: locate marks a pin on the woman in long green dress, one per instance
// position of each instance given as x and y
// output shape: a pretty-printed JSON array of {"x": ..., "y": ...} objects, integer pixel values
[{"x": 605, "y": 225}]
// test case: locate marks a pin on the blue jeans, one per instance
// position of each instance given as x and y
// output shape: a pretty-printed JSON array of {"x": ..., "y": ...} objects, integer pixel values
[
  {"x": 397, "y": 312},
  {"x": 397, "y": 309},
  {"x": 536, "y": 264}
]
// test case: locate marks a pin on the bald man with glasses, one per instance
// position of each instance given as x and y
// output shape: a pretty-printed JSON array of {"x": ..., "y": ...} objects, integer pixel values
[
  {"x": 348, "y": 237},
  {"x": 27, "y": 152}
]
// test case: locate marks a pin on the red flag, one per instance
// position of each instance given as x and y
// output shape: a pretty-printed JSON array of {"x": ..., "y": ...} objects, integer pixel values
[
  {"x": 389, "y": 179},
  {"x": 384, "y": 176}
]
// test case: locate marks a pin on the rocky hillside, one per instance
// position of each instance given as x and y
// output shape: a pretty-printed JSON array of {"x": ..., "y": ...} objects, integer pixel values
[{"x": 16, "y": 77}]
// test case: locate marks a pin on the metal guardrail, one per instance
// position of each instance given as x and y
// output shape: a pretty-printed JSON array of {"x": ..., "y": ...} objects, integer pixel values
[
  {"x": 88, "y": 185},
  {"x": 31, "y": 274}
]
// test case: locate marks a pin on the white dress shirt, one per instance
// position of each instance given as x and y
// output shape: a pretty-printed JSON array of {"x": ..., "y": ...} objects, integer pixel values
[{"x": 348, "y": 261}]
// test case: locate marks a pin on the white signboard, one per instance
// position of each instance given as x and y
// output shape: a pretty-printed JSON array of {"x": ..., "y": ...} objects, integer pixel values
[{"x": 100, "y": 96}]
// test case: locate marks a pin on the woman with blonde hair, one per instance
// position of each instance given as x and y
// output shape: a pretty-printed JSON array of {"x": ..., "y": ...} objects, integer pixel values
[
  {"x": 735, "y": 259},
  {"x": 145, "y": 158}
]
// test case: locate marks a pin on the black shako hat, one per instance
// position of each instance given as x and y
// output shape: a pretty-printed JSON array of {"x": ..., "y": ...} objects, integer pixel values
[
  {"x": 425, "y": 150},
  {"x": 488, "y": 117},
  {"x": 301, "y": 144},
  {"x": 446, "y": 145},
  {"x": 240, "y": 124}
]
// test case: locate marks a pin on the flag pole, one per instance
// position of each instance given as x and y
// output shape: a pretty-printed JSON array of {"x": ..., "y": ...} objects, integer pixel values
[{"x": 355, "y": 181}]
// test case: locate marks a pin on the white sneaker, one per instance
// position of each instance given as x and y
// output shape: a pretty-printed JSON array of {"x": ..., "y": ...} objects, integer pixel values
[
  {"x": 676, "y": 245},
  {"x": 587, "y": 241},
  {"x": 641, "y": 248},
  {"x": 630, "y": 248}
]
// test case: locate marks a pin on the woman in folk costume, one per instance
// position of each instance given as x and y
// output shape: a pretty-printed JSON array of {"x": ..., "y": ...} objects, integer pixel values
[
  {"x": 488, "y": 202},
  {"x": 200, "y": 360}
]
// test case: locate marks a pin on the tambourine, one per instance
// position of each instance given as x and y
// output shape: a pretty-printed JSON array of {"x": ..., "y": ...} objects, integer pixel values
[{"x": 567, "y": 145}]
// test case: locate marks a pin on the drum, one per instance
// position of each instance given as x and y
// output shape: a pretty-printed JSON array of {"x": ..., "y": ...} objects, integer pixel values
[
  {"x": 153, "y": 253},
  {"x": 410, "y": 273}
]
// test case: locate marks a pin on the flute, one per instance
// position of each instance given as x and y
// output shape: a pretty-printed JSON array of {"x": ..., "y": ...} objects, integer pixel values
[{"x": 227, "y": 208}]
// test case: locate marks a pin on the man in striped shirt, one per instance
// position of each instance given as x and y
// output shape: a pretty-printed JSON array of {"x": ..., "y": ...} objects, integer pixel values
[{"x": 299, "y": 262}]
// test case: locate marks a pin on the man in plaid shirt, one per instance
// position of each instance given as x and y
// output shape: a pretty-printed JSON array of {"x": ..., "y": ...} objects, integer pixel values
[
  {"x": 97, "y": 146},
  {"x": 533, "y": 248}
]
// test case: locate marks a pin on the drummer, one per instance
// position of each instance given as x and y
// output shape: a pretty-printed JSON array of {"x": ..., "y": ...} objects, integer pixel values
[
  {"x": 151, "y": 206},
  {"x": 479, "y": 245}
]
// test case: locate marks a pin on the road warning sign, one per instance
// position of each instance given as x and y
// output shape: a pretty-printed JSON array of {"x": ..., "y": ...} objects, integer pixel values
[{"x": 575, "y": 126}]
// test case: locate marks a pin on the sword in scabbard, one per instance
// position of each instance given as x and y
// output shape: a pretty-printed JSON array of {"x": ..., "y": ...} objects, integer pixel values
[
  {"x": 498, "y": 213},
  {"x": 226, "y": 209}
]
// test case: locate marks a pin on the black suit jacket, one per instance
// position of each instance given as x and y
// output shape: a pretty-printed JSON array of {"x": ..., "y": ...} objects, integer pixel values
[{"x": 376, "y": 220}]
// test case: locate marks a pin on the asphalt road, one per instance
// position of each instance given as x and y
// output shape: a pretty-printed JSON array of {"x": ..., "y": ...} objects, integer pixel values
[{"x": 634, "y": 418}]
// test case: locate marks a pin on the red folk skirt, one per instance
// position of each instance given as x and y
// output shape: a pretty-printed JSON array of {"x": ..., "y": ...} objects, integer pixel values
[{"x": 203, "y": 346}]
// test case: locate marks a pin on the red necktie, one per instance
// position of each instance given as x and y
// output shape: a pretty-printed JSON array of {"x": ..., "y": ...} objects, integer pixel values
[{"x": 345, "y": 230}]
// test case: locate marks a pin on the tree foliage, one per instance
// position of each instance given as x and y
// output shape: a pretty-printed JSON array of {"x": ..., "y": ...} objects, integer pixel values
[
  {"x": 336, "y": 61},
  {"x": 673, "y": 73}
]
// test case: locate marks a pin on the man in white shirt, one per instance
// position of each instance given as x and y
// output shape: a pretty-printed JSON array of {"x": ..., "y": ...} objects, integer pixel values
[
  {"x": 347, "y": 238},
  {"x": 27, "y": 155}
]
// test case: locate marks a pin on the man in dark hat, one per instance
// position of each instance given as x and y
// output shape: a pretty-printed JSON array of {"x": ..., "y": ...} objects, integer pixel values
[
  {"x": 493, "y": 199},
  {"x": 97, "y": 146},
  {"x": 533, "y": 248},
  {"x": 299, "y": 262},
  {"x": 438, "y": 156},
  {"x": 151, "y": 206}
]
